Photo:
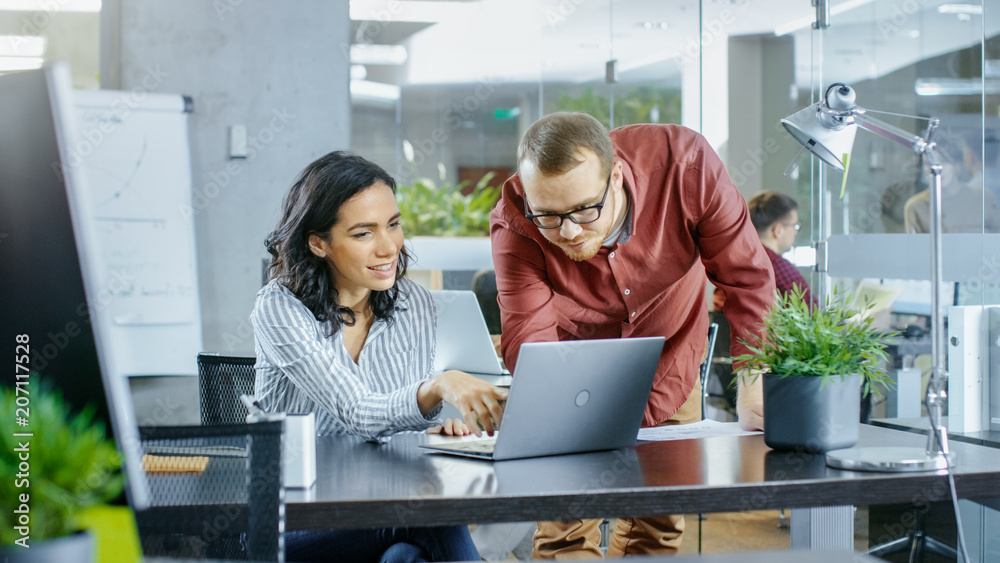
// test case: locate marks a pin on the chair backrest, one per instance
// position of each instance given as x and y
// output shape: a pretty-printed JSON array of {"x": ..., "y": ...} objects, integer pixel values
[
  {"x": 228, "y": 504},
  {"x": 706, "y": 365},
  {"x": 484, "y": 285},
  {"x": 722, "y": 365},
  {"x": 221, "y": 381}
]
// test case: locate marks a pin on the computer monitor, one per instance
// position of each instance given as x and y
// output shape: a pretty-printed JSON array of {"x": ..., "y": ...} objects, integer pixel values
[
  {"x": 44, "y": 252},
  {"x": 915, "y": 298}
]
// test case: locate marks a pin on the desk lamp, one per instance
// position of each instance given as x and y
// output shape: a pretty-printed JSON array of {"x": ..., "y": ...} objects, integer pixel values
[{"x": 827, "y": 129}]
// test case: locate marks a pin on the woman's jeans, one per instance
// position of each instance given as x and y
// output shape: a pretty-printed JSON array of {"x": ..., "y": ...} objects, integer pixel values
[{"x": 388, "y": 545}]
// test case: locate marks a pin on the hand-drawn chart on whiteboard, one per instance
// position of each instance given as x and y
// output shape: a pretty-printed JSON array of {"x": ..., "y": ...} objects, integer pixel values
[{"x": 138, "y": 174}]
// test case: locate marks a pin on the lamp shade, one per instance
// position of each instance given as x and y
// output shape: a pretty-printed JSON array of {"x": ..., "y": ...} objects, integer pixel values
[{"x": 824, "y": 138}]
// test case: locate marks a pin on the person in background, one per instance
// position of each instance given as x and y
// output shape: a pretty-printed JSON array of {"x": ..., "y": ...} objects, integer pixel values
[
  {"x": 776, "y": 218},
  {"x": 340, "y": 332},
  {"x": 604, "y": 235},
  {"x": 965, "y": 206}
]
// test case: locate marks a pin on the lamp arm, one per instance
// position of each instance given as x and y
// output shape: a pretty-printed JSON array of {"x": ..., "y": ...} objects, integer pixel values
[{"x": 916, "y": 143}]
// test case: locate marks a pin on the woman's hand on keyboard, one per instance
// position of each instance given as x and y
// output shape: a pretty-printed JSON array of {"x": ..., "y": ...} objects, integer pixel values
[
  {"x": 450, "y": 427},
  {"x": 479, "y": 402}
]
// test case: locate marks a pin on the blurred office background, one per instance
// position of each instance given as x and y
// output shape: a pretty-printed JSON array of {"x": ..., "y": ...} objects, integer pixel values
[
  {"x": 443, "y": 89},
  {"x": 440, "y": 91}
]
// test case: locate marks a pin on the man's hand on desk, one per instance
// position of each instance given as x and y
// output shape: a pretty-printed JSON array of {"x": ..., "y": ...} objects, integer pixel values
[
  {"x": 750, "y": 399},
  {"x": 477, "y": 400}
]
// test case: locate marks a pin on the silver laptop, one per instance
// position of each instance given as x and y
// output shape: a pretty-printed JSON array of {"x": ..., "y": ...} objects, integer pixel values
[
  {"x": 571, "y": 396},
  {"x": 463, "y": 341}
]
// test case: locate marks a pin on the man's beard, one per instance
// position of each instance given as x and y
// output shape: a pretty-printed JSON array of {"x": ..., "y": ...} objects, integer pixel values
[{"x": 586, "y": 252}]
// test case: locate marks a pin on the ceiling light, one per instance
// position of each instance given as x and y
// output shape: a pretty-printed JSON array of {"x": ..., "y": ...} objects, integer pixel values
[
  {"x": 370, "y": 54},
  {"x": 388, "y": 11},
  {"x": 956, "y": 86},
  {"x": 359, "y": 72},
  {"x": 22, "y": 46},
  {"x": 20, "y": 63},
  {"x": 61, "y": 6},
  {"x": 368, "y": 91},
  {"x": 653, "y": 25},
  {"x": 966, "y": 9}
]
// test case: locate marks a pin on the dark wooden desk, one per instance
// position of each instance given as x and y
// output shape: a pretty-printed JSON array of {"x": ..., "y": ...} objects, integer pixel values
[
  {"x": 921, "y": 425},
  {"x": 366, "y": 485}
]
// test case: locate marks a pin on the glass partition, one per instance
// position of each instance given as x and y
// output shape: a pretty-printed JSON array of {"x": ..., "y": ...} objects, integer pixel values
[
  {"x": 909, "y": 62},
  {"x": 469, "y": 77},
  {"x": 919, "y": 59},
  {"x": 442, "y": 91}
]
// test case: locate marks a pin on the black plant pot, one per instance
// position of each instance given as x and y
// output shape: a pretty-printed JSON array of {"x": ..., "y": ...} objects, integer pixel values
[
  {"x": 74, "y": 548},
  {"x": 799, "y": 415}
]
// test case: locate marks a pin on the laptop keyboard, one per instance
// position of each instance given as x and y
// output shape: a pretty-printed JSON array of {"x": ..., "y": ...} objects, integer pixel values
[{"x": 478, "y": 446}]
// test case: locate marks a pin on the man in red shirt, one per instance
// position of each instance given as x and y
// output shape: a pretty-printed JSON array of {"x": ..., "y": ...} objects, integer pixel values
[{"x": 604, "y": 235}]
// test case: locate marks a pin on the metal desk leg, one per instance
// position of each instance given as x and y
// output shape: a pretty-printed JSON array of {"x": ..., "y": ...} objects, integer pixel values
[{"x": 827, "y": 528}]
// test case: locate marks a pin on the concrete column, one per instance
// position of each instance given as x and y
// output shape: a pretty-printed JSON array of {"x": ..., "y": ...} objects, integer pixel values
[{"x": 279, "y": 69}]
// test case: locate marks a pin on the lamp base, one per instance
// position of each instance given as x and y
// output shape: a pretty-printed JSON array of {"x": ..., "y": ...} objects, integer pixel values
[{"x": 887, "y": 460}]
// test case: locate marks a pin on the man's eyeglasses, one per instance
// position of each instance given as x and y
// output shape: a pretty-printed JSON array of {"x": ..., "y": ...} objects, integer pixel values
[
  {"x": 795, "y": 226},
  {"x": 580, "y": 216}
]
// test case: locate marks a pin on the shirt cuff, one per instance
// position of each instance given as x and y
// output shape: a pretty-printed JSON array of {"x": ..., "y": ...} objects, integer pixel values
[{"x": 410, "y": 415}]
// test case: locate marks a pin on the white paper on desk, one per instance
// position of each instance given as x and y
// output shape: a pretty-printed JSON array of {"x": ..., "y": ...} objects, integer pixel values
[{"x": 701, "y": 429}]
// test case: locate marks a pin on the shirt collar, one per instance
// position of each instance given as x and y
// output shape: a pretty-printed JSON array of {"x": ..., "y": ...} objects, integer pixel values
[
  {"x": 628, "y": 225},
  {"x": 623, "y": 232}
]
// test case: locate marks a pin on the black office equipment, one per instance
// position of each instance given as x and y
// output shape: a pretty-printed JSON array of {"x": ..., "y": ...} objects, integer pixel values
[
  {"x": 221, "y": 381},
  {"x": 232, "y": 509}
]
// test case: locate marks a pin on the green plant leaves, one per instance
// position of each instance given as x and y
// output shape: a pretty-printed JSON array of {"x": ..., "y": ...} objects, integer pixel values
[
  {"x": 832, "y": 340},
  {"x": 428, "y": 210},
  {"x": 635, "y": 105},
  {"x": 71, "y": 465}
]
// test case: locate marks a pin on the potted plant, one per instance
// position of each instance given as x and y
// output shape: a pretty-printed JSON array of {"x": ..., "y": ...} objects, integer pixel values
[
  {"x": 428, "y": 210},
  {"x": 54, "y": 467},
  {"x": 816, "y": 362},
  {"x": 446, "y": 228}
]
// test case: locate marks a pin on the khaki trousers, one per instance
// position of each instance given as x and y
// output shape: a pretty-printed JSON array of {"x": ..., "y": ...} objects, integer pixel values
[{"x": 581, "y": 539}]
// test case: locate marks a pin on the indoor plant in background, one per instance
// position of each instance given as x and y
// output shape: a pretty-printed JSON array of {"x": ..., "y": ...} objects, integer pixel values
[
  {"x": 816, "y": 363},
  {"x": 71, "y": 466},
  {"x": 445, "y": 228},
  {"x": 445, "y": 211}
]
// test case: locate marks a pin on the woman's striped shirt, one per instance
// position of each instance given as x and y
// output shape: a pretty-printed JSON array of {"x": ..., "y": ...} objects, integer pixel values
[{"x": 301, "y": 370}]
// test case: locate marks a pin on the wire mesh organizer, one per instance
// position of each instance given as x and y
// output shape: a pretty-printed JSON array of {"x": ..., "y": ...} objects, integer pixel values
[
  {"x": 221, "y": 381},
  {"x": 216, "y": 491}
]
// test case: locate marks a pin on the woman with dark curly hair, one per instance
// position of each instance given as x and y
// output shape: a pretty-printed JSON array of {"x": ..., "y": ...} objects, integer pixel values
[{"x": 341, "y": 332}]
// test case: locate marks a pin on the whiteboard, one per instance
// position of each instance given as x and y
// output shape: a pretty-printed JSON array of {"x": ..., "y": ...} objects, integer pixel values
[{"x": 131, "y": 153}]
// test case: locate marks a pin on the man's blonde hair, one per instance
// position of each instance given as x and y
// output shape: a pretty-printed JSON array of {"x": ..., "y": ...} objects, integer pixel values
[{"x": 552, "y": 144}]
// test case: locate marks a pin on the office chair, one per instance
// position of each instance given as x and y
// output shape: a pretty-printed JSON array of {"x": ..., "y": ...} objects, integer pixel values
[
  {"x": 722, "y": 363},
  {"x": 915, "y": 542},
  {"x": 221, "y": 381},
  {"x": 484, "y": 285},
  {"x": 706, "y": 366},
  {"x": 232, "y": 509}
]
